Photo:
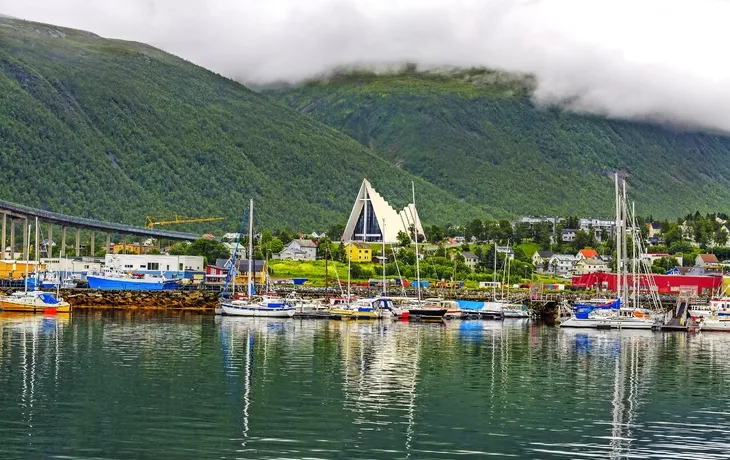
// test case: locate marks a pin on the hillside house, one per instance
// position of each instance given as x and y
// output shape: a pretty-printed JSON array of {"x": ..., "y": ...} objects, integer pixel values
[
  {"x": 508, "y": 252},
  {"x": 562, "y": 264},
  {"x": 708, "y": 263},
  {"x": 586, "y": 266},
  {"x": 299, "y": 249},
  {"x": 568, "y": 235},
  {"x": 654, "y": 229},
  {"x": 587, "y": 253},
  {"x": 470, "y": 259},
  {"x": 539, "y": 258},
  {"x": 357, "y": 251}
]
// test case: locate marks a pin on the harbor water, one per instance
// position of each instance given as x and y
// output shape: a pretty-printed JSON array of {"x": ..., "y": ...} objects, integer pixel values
[{"x": 150, "y": 386}]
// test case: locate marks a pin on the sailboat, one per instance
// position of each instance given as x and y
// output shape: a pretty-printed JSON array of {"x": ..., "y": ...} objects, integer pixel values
[
  {"x": 493, "y": 309},
  {"x": 34, "y": 301},
  {"x": 263, "y": 306},
  {"x": 422, "y": 310},
  {"x": 624, "y": 311}
]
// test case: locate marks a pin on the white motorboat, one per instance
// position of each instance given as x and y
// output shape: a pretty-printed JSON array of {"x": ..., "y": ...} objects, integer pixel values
[{"x": 715, "y": 323}]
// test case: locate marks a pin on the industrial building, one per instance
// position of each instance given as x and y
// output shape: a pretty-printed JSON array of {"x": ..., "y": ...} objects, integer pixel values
[{"x": 183, "y": 267}]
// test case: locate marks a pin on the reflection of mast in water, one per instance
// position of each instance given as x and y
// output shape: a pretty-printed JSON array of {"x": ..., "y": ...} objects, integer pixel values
[
  {"x": 624, "y": 407},
  {"x": 412, "y": 396},
  {"x": 380, "y": 375},
  {"x": 247, "y": 385}
]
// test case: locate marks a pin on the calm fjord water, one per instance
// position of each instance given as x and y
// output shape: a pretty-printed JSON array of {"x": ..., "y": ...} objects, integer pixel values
[{"x": 144, "y": 386}]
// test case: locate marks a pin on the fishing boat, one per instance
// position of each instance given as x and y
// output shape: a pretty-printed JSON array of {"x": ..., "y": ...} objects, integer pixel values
[
  {"x": 515, "y": 310},
  {"x": 118, "y": 281}
]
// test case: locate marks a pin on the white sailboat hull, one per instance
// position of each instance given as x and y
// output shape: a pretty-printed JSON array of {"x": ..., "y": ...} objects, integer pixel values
[
  {"x": 608, "y": 323},
  {"x": 257, "y": 311}
]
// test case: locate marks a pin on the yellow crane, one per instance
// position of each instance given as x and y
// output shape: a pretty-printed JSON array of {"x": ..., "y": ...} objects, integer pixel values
[{"x": 151, "y": 222}]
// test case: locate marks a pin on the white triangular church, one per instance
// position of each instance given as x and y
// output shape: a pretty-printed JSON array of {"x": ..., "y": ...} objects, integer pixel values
[{"x": 373, "y": 220}]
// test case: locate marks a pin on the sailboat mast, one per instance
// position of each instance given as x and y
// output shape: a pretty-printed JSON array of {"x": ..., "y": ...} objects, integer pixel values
[
  {"x": 326, "y": 272},
  {"x": 624, "y": 250},
  {"x": 617, "y": 231},
  {"x": 634, "y": 262},
  {"x": 415, "y": 239},
  {"x": 26, "y": 250},
  {"x": 250, "y": 247},
  {"x": 382, "y": 261},
  {"x": 494, "y": 274},
  {"x": 349, "y": 271}
]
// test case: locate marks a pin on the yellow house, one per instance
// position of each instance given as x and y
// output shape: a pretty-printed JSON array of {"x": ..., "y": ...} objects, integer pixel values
[
  {"x": 131, "y": 248},
  {"x": 358, "y": 251}
]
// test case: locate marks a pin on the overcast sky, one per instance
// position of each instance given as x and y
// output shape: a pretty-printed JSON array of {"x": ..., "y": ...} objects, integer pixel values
[{"x": 656, "y": 59}]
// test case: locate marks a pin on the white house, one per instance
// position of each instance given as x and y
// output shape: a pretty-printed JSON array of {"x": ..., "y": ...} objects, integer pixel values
[
  {"x": 298, "y": 250},
  {"x": 568, "y": 235},
  {"x": 562, "y": 264},
  {"x": 507, "y": 251},
  {"x": 241, "y": 254}
]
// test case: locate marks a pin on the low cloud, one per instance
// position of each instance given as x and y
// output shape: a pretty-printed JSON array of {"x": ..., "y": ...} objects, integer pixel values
[{"x": 661, "y": 60}]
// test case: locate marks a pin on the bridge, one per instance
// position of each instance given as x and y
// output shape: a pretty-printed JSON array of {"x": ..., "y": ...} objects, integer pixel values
[{"x": 13, "y": 214}]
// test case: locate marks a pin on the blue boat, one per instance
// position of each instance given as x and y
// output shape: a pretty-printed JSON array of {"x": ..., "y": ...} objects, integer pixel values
[
  {"x": 119, "y": 282},
  {"x": 584, "y": 308}
]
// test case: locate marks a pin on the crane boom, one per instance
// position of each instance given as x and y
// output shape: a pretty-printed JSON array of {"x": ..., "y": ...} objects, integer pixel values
[{"x": 180, "y": 220}]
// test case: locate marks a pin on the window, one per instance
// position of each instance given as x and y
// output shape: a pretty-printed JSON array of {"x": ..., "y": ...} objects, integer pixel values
[
  {"x": 128, "y": 266},
  {"x": 153, "y": 266},
  {"x": 143, "y": 266},
  {"x": 181, "y": 267}
]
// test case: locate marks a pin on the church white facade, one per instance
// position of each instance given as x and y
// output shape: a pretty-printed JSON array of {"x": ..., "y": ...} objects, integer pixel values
[{"x": 373, "y": 220}]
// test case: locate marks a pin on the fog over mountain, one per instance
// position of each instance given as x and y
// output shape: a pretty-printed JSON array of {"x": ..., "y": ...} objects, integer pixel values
[{"x": 660, "y": 60}]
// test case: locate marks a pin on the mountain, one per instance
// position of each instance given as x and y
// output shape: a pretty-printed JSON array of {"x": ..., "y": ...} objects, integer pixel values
[
  {"x": 120, "y": 130},
  {"x": 478, "y": 134}
]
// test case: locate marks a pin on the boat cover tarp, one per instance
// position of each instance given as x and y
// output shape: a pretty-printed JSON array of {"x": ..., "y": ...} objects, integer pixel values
[{"x": 470, "y": 304}]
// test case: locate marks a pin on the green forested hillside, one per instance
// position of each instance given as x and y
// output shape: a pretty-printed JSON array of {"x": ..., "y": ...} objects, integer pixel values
[
  {"x": 119, "y": 130},
  {"x": 478, "y": 134}
]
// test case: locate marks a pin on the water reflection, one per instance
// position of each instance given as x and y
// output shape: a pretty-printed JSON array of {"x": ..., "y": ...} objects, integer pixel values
[{"x": 139, "y": 386}]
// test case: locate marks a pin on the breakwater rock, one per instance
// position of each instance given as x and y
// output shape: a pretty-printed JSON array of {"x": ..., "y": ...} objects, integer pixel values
[{"x": 142, "y": 300}]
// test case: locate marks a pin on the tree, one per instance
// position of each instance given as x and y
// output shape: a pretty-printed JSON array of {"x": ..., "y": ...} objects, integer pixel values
[
  {"x": 334, "y": 233},
  {"x": 211, "y": 250},
  {"x": 179, "y": 249},
  {"x": 403, "y": 239}
]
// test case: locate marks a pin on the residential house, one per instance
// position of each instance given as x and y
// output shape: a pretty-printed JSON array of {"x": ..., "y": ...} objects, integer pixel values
[
  {"x": 470, "y": 259},
  {"x": 591, "y": 265},
  {"x": 562, "y": 264},
  {"x": 654, "y": 229},
  {"x": 299, "y": 249},
  {"x": 708, "y": 263},
  {"x": 598, "y": 225},
  {"x": 357, "y": 251},
  {"x": 568, "y": 235},
  {"x": 240, "y": 254},
  {"x": 508, "y": 252},
  {"x": 651, "y": 257},
  {"x": 587, "y": 253},
  {"x": 539, "y": 258}
]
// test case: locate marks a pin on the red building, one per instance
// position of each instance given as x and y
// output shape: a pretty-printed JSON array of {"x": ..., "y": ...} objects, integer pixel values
[{"x": 666, "y": 284}]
